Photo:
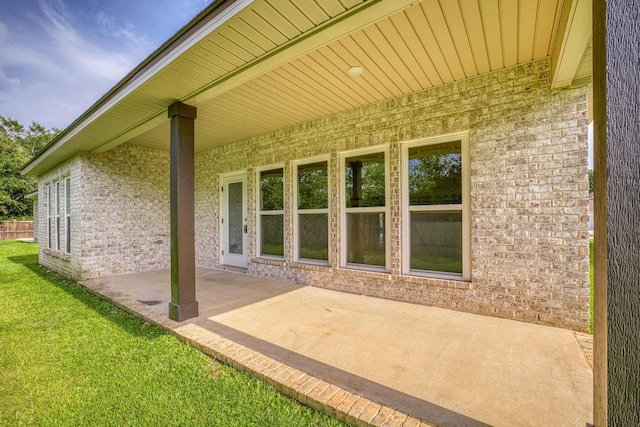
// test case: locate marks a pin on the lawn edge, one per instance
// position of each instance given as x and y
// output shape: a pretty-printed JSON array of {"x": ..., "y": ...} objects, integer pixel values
[{"x": 309, "y": 390}]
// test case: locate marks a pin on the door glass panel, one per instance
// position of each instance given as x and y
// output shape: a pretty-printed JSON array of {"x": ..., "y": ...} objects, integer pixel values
[{"x": 235, "y": 218}]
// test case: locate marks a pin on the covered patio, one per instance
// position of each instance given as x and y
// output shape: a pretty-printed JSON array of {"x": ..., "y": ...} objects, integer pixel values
[
  {"x": 246, "y": 90},
  {"x": 371, "y": 361}
]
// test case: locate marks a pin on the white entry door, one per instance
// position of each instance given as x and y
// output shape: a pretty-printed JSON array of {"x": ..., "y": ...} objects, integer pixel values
[{"x": 233, "y": 219}]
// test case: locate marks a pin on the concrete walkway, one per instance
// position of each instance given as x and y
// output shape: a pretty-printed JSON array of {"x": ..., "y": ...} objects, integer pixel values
[{"x": 372, "y": 361}]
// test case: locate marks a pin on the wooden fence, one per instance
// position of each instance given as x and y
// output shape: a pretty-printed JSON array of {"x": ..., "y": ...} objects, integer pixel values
[{"x": 10, "y": 230}]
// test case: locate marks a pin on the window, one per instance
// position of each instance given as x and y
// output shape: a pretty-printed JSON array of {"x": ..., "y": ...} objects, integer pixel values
[
  {"x": 49, "y": 217},
  {"x": 436, "y": 206},
  {"x": 67, "y": 215},
  {"x": 366, "y": 209},
  {"x": 312, "y": 211},
  {"x": 57, "y": 215},
  {"x": 271, "y": 185}
]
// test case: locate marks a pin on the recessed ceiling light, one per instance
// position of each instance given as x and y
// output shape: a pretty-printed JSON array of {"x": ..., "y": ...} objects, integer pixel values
[{"x": 355, "y": 71}]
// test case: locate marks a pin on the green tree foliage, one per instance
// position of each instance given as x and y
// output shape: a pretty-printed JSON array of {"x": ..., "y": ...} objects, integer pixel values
[
  {"x": 272, "y": 190},
  {"x": 17, "y": 145},
  {"x": 365, "y": 181},
  {"x": 435, "y": 179},
  {"x": 313, "y": 190},
  {"x": 591, "y": 181}
]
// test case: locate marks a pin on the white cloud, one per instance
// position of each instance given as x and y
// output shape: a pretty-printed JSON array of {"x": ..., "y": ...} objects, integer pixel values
[
  {"x": 52, "y": 68},
  {"x": 13, "y": 82}
]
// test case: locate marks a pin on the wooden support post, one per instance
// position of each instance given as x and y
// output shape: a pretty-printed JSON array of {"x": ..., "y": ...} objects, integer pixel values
[
  {"x": 183, "y": 303},
  {"x": 616, "y": 77}
]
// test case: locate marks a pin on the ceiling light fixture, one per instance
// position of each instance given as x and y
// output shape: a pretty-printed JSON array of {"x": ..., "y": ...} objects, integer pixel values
[{"x": 355, "y": 71}]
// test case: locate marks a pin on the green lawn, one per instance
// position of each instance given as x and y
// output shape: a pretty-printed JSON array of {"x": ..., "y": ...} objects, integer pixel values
[{"x": 70, "y": 358}]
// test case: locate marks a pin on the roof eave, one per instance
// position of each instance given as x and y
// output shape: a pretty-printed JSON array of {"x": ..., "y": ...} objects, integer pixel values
[{"x": 173, "y": 43}]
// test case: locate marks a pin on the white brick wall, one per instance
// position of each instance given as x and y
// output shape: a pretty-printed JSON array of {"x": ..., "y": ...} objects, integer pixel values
[
  {"x": 67, "y": 264},
  {"x": 125, "y": 211},
  {"x": 529, "y": 244},
  {"x": 529, "y": 188}
]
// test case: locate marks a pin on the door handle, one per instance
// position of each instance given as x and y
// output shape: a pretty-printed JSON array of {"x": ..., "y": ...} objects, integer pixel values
[{"x": 245, "y": 229}]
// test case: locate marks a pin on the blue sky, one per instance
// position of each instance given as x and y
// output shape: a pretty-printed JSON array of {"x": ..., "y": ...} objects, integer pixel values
[{"x": 57, "y": 57}]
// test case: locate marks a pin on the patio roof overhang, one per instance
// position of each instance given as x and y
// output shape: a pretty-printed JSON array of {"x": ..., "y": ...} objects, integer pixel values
[{"x": 250, "y": 68}]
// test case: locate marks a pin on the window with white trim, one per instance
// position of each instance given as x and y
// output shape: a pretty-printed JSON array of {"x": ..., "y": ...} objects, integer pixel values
[
  {"x": 67, "y": 215},
  {"x": 57, "y": 208},
  {"x": 365, "y": 206},
  {"x": 312, "y": 212},
  {"x": 49, "y": 217},
  {"x": 436, "y": 207},
  {"x": 271, "y": 217}
]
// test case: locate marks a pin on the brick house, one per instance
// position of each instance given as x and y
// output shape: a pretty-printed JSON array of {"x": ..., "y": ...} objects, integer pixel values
[{"x": 425, "y": 151}]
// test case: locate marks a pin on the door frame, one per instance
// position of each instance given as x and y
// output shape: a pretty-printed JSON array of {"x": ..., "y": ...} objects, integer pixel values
[{"x": 227, "y": 258}]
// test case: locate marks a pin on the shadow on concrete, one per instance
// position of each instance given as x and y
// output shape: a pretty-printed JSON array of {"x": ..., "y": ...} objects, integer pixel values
[
  {"x": 356, "y": 384},
  {"x": 217, "y": 291}
]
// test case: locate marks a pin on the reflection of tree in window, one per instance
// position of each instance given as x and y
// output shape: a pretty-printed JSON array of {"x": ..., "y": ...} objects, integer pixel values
[
  {"x": 365, "y": 188},
  {"x": 272, "y": 212},
  {"x": 313, "y": 190},
  {"x": 435, "y": 174},
  {"x": 313, "y": 212},
  {"x": 271, "y": 190},
  {"x": 365, "y": 181},
  {"x": 435, "y": 182}
]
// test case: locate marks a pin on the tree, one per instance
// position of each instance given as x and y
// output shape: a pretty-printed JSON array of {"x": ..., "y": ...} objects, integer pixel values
[
  {"x": 591, "y": 181},
  {"x": 17, "y": 146},
  {"x": 435, "y": 179}
]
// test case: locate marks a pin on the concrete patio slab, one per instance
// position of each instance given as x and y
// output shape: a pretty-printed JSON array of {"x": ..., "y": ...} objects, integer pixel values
[{"x": 372, "y": 361}]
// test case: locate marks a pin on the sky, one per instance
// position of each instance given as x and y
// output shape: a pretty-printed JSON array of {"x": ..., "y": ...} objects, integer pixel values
[{"x": 58, "y": 57}]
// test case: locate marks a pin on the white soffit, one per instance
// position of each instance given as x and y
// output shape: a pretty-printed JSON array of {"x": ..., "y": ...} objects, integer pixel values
[
  {"x": 428, "y": 44},
  {"x": 259, "y": 39},
  {"x": 572, "y": 43},
  {"x": 275, "y": 64}
]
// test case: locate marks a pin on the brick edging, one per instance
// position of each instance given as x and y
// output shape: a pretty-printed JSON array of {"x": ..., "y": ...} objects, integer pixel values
[{"x": 307, "y": 389}]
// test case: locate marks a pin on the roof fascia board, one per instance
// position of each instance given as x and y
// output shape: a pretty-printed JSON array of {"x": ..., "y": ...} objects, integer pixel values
[
  {"x": 150, "y": 67},
  {"x": 572, "y": 38}
]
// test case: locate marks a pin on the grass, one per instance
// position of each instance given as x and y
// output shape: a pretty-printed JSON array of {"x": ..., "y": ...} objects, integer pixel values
[
  {"x": 437, "y": 263},
  {"x": 68, "y": 358},
  {"x": 591, "y": 253},
  {"x": 276, "y": 249}
]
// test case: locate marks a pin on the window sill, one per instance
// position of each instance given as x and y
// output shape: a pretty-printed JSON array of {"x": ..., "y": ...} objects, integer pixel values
[
  {"x": 57, "y": 254},
  {"x": 450, "y": 282},
  {"x": 435, "y": 275},
  {"x": 364, "y": 271},
  {"x": 266, "y": 260},
  {"x": 311, "y": 265}
]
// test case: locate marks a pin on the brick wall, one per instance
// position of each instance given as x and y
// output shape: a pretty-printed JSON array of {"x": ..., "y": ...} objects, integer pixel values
[
  {"x": 125, "y": 211},
  {"x": 67, "y": 264},
  {"x": 529, "y": 195}
]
